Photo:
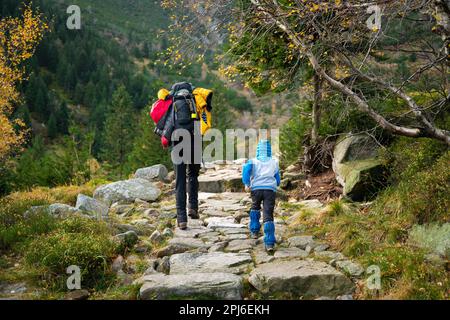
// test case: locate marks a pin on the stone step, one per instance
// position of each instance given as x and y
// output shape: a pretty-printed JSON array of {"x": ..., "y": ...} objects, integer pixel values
[
  {"x": 225, "y": 286},
  {"x": 303, "y": 278},
  {"x": 186, "y": 263}
]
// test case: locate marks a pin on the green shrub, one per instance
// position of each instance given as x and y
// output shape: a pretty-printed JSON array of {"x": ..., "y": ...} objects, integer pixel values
[
  {"x": 406, "y": 275},
  {"x": 408, "y": 156},
  {"x": 421, "y": 193},
  {"x": 293, "y": 134},
  {"x": 38, "y": 224},
  {"x": 81, "y": 243},
  {"x": 15, "y": 228}
]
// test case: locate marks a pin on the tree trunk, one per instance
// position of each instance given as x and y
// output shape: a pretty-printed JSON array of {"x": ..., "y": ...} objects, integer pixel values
[{"x": 316, "y": 109}]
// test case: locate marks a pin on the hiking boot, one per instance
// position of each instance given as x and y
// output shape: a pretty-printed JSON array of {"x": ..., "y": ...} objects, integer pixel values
[
  {"x": 193, "y": 214},
  {"x": 254, "y": 235},
  {"x": 182, "y": 225},
  {"x": 270, "y": 248}
]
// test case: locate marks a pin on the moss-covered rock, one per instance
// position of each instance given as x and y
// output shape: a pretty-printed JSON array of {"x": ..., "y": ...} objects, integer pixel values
[
  {"x": 357, "y": 166},
  {"x": 363, "y": 178}
]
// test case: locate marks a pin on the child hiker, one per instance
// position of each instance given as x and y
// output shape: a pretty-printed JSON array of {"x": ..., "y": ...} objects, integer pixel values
[{"x": 262, "y": 176}]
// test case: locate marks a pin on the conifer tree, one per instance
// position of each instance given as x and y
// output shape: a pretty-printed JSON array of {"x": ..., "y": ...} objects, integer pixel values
[
  {"x": 52, "y": 128},
  {"x": 147, "y": 149},
  {"x": 119, "y": 130}
]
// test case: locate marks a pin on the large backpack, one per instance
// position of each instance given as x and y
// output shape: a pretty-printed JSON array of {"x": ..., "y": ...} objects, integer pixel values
[{"x": 184, "y": 107}]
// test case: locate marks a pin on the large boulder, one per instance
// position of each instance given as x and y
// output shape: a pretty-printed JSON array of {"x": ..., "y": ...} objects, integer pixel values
[
  {"x": 223, "y": 286},
  {"x": 127, "y": 191},
  {"x": 221, "y": 181},
  {"x": 157, "y": 172},
  {"x": 185, "y": 263},
  {"x": 357, "y": 166},
  {"x": 92, "y": 206},
  {"x": 302, "y": 278}
]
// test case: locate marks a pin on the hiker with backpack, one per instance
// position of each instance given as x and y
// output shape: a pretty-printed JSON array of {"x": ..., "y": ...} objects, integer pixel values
[
  {"x": 262, "y": 176},
  {"x": 186, "y": 109}
]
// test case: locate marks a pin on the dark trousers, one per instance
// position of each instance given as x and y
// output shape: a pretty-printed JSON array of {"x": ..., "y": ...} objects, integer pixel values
[
  {"x": 267, "y": 198},
  {"x": 180, "y": 188}
]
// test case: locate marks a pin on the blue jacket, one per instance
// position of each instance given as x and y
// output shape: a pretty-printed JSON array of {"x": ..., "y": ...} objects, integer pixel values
[{"x": 262, "y": 173}]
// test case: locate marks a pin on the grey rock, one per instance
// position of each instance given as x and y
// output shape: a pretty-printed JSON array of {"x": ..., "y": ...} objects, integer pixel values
[
  {"x": 189, "y": 243},
  {"x": 77, "y": 295},
  {"x": 228, "y": 231},
  {"x": 122, "y": 228},
  {"x": 261, "y": 256},
  {"x": 149, "y": 271},
  {"x": 239, "y": 245},
  {"x": 167, "y": 233},
  {"x": 186, "y": 263},
  {"x": 356, "y": 165},
  {"x": 324, "y": 298},
  {"x": 13, "y": 288},
  {"x": 290, "y": 253},
  {"x": 235, "y": 236},
  {"x": 210, "y": 285},
  {"x": 345, "y": 297},
  {"x": 63, "y": 210},
  {"x": 171, "y": 249},
  {"x": 223, "y": 222},
  {"x": 92, "y": 206},
  {"x": 330, "y": 255},
  {"x": 220, "y": 181},
  {"x": 156, "y": 237},
  {"x": 118, "y": 264},
  {"x": 122, "y": 210},
  {"x": 152, "y": 266},
  {"x": 321, "y": 247},
  {"x": 127, "y": 191},
  {"x": 170, "y": 176},
  {"x": 195, "y": 223},
  {"x": 300, "y": 241},
  {"x": 151, "y": 213},
  {"x": 163, "y": 265},
  {"x": 190, "y": 232},
  {"x": 220, "y": 246},
  {"x": 157, "y": 172},
  {"x": 349, "y": 267},
  {"x": 302, "y": 278},
  {"x": 57, "y": 209},
  {"x": 141, "y": 203}
]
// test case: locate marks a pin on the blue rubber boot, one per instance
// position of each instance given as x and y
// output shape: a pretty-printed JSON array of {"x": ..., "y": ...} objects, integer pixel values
[
  {"x": 254, "y": 225},
  {"x": 269, "y": 236}
]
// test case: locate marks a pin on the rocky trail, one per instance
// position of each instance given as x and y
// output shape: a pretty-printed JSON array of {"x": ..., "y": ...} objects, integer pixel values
[{"x": 214, "y": 257}]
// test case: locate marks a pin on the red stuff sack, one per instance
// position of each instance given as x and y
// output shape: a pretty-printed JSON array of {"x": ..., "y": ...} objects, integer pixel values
[{"x": 159, "y": 109}]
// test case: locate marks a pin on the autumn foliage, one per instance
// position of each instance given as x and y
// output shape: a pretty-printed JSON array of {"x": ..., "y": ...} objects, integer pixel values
[{"x": 19, "y": 38}]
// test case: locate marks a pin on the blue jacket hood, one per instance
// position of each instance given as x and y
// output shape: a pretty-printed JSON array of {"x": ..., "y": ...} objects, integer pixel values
[{"x": 264, "y": 150}]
